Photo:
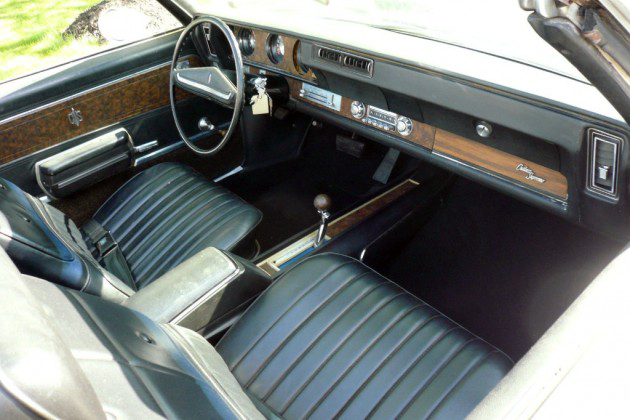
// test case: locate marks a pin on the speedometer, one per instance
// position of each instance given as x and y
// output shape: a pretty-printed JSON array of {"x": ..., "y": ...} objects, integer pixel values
[{"x": 275, "y": 49}]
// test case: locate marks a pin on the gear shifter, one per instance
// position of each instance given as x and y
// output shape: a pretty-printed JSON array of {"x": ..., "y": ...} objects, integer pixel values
[{"x": 322, "y": 203}]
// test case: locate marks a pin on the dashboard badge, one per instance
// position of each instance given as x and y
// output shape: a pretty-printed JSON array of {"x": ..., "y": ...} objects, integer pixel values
[{"x": 530, "y": 173}]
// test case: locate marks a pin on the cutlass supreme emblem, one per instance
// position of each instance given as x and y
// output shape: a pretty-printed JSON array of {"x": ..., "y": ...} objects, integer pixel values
[{"x": 530, "y": 173}]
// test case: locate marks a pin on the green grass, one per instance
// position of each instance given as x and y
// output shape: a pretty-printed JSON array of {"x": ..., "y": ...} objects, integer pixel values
[{"x": 30, "y": 35}]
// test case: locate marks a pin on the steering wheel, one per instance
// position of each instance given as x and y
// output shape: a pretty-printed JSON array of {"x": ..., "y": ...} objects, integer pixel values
[{"x": 209, "y": 82}]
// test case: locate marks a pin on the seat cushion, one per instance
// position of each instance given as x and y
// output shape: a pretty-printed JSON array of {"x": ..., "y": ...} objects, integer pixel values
[
  {"x": 333, "y": 338},
  {"x": 168, "y": 213}
]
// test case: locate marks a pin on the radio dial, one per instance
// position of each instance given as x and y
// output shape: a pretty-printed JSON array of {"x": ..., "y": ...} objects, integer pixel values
[
  {"x": 357, "y": 109},
  {"x": 404, "y": 126}
]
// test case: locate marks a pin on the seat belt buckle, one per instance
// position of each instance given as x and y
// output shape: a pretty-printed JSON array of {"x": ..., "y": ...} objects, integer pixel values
[{"x": 106, "y": 244}]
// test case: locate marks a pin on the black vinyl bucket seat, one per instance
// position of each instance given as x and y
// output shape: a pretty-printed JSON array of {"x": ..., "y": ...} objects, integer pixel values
[
  {"x": 330, "y": 338},
  {"x": 158, "y": 219}
]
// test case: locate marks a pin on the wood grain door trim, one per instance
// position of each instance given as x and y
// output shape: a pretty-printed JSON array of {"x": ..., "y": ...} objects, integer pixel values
[
  {"x": 100, "y": 107},
  {"x": 509, "y": 166}
]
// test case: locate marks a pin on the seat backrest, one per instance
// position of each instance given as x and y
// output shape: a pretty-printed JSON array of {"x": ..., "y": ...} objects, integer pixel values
[
  {"x": 45, "y": 243},
  {"x": 65, "y": 354},
  {"x": 37, "y": 371}
]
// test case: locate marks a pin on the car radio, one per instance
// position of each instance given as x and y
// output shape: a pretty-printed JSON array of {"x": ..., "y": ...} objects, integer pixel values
[
  {"x": 381, "y": 118},
  {"x": 385, "y": 120}
]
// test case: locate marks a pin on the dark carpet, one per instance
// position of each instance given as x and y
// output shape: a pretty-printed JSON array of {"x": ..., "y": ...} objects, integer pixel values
[
  {"x": 504, "y": 270},
  {"x": 285, "y": 192}
]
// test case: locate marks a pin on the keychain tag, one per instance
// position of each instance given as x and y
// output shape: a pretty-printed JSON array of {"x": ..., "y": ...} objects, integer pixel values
[{"x": 261, "y": 103}]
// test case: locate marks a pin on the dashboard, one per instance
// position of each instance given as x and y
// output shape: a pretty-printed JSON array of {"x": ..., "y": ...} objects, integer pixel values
[{"x": 549, "y": 155}]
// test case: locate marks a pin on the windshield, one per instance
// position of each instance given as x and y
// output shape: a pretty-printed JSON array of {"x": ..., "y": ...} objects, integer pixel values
[{"x": 497, "y": 27}]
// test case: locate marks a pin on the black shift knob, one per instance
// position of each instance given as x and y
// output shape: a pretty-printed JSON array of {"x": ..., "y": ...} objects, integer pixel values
[{"x": 322, "y": 202}]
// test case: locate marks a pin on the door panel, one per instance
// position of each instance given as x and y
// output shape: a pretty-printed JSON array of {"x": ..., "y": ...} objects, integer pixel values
[
  {"x": 124, "y": 88},
  {"x": 97, "y": 108}
]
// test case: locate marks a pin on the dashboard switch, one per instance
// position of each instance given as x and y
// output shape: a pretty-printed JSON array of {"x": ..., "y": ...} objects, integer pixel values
[
  {"x": 484, "y": 129},
  {"x": 357, "y": 109},
  {"x": 404, "y": 125}
]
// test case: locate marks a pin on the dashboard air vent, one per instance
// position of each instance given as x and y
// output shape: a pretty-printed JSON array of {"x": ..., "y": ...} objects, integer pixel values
[
  {"x": 362, "y": 65},
  {"x": 329, "y": 55},
  {"x": 604, "y": 150},
  {"x": 356, "y": 64}
]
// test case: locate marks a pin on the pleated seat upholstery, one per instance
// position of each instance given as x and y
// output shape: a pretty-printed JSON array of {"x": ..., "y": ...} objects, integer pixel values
[
  {"x": 334, "y": 338},
  {"x": 168, "y": 213}
]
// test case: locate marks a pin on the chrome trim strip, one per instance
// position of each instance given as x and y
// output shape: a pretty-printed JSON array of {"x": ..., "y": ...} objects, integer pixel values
[
  {"x": 229, "y": 174},
  {"x": 503, "y": 178},
  {"x": 157, "y": 153},
  {"x": 144, "y": 147}
]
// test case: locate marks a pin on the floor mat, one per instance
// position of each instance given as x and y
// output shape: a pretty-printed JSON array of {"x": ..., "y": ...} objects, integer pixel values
[{"x": 499, "y": 267}]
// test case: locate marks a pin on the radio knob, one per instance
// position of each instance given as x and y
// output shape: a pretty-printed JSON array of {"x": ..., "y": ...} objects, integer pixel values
[
  {"x": 357, "y": 109},
  {"x": 404, "y": 126}
]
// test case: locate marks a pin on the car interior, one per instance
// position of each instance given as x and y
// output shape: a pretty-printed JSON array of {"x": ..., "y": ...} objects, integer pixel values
[{"x": 232, "y": 220}]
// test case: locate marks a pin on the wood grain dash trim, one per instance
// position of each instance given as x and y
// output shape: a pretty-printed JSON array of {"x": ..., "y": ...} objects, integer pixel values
[
  {"x": 464, "y": 150},
  {"x": 422, "y": 134},
  {"x": 501, "y": 163},
  {"x": 287, "y": 65}
]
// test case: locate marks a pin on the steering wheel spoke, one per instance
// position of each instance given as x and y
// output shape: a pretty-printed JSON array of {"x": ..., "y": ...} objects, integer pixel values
[
  {"x": 208, "y": 82},
  {"x": 211, "y": 83}
]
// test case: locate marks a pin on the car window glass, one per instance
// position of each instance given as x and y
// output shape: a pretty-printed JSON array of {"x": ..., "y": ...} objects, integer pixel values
[{"x": 39, "y": 34}]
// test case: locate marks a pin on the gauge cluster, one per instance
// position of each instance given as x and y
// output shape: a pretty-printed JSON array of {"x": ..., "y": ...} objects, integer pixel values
[{"x": 272, "y": 51}]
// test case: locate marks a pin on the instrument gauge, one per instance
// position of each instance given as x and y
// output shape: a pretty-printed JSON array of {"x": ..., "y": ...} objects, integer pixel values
[
  {"x": 300, "y": 67},
  {"x": 275, "y": 49},
  {"x": 247, "y": 41}
]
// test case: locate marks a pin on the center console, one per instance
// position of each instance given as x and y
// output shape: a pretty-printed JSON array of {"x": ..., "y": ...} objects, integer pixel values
[{"x": 205, "y": 293}]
